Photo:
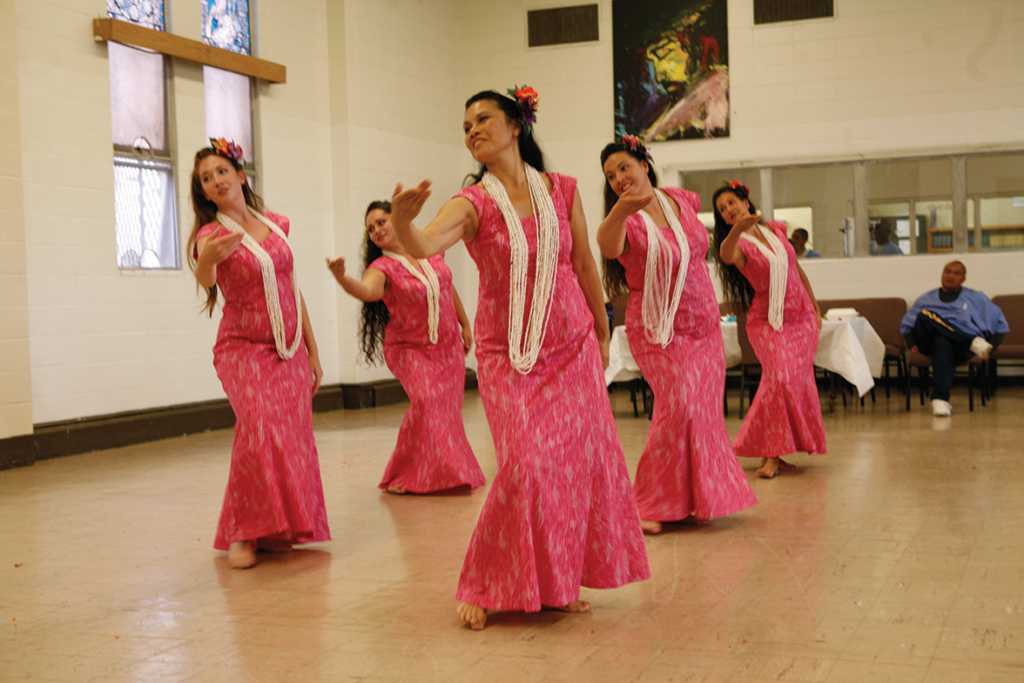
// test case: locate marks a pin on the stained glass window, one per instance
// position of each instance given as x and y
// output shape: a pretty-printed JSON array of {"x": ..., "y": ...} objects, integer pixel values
[
  {"x": 148, "y": 13},
  {"x": 226, "y": 24}
]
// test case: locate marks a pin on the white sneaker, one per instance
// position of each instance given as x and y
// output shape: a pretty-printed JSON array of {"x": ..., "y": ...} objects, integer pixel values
[
  {"x": 981, "y": 348},
  {"x": 941, "y": 408}
]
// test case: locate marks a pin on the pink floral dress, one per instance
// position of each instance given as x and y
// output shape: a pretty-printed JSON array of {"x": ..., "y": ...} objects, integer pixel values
[
  {"x": 432, "y": 453},
  {"x": 688, "y": 465},
  {"x": 560, "y": 512},
  {"x": 785, "y": 415},
  {"x": 274, "y": 489}
]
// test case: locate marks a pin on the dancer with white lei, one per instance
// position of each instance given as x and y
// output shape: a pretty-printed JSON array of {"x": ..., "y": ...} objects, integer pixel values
[
  {"x": 762, "y": 279},
  {"x": 412, "y": 315},
  {"x": 654, "y": 247},
  {"x": 560, "y": 513},
  {"x": 266, "y": 358}
]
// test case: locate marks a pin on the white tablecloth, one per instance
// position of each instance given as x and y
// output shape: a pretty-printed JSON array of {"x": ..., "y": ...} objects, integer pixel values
[
  {"x": 850, "y": 348},
  {"x": 623, "y": 368}
]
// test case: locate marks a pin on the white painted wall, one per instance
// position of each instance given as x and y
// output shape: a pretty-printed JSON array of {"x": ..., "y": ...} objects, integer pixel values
[
  {"x": 374, "y": 96},
  {"x": 15, "y": 366}
]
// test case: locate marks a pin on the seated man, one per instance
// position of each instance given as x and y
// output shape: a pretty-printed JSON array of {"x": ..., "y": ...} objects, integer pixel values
[
  {"x": 799, "y": 241},
  {"x": 881, "y": 246},
  {"x": 952, "y": 324}
]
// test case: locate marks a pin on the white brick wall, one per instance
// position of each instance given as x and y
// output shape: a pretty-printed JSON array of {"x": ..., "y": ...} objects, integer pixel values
[
  {"x": 15, "y": 367},
  {"x": 374, "y": 96}
]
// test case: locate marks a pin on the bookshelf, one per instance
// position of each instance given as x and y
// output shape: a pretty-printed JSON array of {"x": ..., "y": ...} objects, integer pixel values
[{"x": 992, "y": 238}]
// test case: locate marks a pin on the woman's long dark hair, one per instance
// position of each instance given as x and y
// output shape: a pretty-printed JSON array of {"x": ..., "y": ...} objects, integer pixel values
[
  {"x": 529, "y": 149},
  {"x": 614, "y": 275},
  {"x": 206, "y": 212},
  {"x": 375, "y": 314},
  {"x": 739, "y": 293}
]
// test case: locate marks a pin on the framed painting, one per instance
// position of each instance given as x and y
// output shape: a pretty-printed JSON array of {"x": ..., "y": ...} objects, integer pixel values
[{"x": 671, "y": 69}]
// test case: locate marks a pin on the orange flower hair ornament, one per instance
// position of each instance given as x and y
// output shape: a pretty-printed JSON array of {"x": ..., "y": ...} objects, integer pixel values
[
  {"x": 228, "y": 149},
  {"x": 634, "y": 144},
  {"x": 739, "y": 187},
  {"x": 527, "y": 99}
]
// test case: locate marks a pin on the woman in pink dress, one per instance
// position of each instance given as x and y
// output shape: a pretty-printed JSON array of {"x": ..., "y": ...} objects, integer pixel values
[
  {"x": 654, "y": 248},
  {"x": 266, "y": 359},
  {"x": 761, "y": 276},
  {"x": 560, "y": 512},
  {"x": 412, "y": 309}
]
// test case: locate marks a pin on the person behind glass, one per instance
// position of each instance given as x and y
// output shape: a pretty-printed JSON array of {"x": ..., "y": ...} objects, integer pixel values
[
  {"x": 560, "y": 512},
  {"x": 881, "y": 246},
  {"x": 654, "y": 247},
  {"x": 411, "y": 309},
  {"x": 266, "y": 359},
  {"x": 760, "y": 275},
  {"x": 952, "y": 324},
  {"x": 799, "y": 239}
]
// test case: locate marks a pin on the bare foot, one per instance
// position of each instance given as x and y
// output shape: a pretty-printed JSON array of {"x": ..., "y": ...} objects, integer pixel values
[
  {"x": 398, "y": 491},
  {"x": 785, "y": 466},
  {"x": 574, "y": 607},
  {"x": 242, "y": 554},
  {"x": 769, "y": 468},
  {"x": 649, "y": 526},
  {"x": 270, "y": 545},
  {"x": 474, "y": 615}
]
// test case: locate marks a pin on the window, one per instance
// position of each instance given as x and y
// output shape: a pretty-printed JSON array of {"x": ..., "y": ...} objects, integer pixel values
[
  {"x": 818, "y": 199},
  {"x": 226, "y": 24},
  {"x": 145, "y": 222},
  {"x": 899, "y": 189},
  {"x": 995, "y": 209},
  {"x": 228, "y": 98}
]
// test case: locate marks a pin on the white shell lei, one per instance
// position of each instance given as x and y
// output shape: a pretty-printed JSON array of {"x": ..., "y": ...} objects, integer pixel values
[
  {"x": 659, "y": 309},
  {"x": 524, "y": 352},
  {"x": 429, "y": 279},
  {"x": 778, "y": 271},
  {"x": 270, "y": 282}
]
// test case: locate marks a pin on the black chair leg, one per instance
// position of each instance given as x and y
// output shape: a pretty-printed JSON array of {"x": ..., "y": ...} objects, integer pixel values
[{"x": 970, "y": 386}]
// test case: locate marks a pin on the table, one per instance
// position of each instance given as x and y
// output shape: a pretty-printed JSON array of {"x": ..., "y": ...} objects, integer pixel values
[{"x": 850, "y": 348}]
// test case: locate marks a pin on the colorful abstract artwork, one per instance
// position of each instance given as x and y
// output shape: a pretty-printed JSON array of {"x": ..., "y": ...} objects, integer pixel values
[
  {"x": 671, "y": 69},
  {"x": 226, "y": 24},
  {"x": 148, "y": 13}
]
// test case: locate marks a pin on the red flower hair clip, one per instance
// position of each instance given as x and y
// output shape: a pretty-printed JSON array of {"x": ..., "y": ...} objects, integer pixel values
[
  {"x": 528, "y": 101},
  {"x": 737, "y": 185},
  {"x": 634, "y": 144},
  {"x": 228, "y": 149}
]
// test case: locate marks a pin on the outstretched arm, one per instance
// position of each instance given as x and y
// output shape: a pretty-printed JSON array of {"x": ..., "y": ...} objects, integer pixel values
[
  {"x": 586, "y": 272},
  {"x": 457, "y": 220},
  {"x": 730, "y": 251},
  {"x": 611, "y": 234},
  {"x": 372, "y": 287},
  {"x": 213, "y": 250}
]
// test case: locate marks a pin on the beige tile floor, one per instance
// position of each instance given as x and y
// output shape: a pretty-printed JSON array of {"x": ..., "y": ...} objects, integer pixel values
[{"x": 899, "y": 557}]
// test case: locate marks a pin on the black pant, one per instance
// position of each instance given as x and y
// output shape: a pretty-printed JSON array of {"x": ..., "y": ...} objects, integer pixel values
[{"x": 948, "y": 347}]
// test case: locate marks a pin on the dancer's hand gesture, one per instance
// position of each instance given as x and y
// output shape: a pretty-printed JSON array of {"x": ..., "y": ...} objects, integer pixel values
[
  {"x": 631, "y": 201},
  {"x": 337, "y": 268},
  {"x": 746, "y": 223},
  {"x": 407, "y": 204},
  {"x": 216, "y": 249}
]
